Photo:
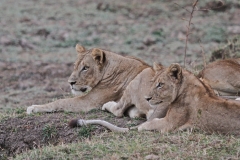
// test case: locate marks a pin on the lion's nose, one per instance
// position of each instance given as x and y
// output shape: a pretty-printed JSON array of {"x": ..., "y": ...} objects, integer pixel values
[
  {"x": 72, "y": 83},
  {"x": 148, "y": 98}
]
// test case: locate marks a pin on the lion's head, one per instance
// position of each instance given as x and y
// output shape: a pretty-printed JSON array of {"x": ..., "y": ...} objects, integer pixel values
[
  {"x": 87, "y": 70},
  {"x": 166, "y": 83}
]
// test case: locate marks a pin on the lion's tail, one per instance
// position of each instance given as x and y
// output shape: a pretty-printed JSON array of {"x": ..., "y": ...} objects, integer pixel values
[{"x": 82, "y": 122}]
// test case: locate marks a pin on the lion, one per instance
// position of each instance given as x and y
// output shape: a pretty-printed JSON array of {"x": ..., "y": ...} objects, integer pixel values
[
  {"x": 223, "y": 76},
  {"x": 133, "y": 96},
  {"x": 99, "y": 76},
  {"x": 191, "y": 103}
]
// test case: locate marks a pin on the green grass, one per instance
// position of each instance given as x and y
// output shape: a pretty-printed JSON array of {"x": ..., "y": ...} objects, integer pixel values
[
  {"x": 49, "y": 131},
  {"x": 215, "y": 34},
  {"x": 85, "y": 131},
  {"x": 135, "y": 145},
  {"x": 12, "y": 112}
]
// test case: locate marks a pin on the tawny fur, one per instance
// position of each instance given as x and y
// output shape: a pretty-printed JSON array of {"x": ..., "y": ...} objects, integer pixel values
[
  {"x": 134, "y": 95},
  {"x": 193, "y": 104},
  {"x": 99, "y": 76},
  {"x": 223, "y": 76}
]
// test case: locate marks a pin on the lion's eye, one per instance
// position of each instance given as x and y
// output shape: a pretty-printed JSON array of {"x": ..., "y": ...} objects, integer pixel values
[
  {"x": 159, "y": 85},
  {"x": 85, "y": 68}
]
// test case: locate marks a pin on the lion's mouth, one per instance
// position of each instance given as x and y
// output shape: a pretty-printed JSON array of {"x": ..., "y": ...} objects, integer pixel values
[
  {"x": 80, "y": 91},
  {"x": 154, "y": 103}
]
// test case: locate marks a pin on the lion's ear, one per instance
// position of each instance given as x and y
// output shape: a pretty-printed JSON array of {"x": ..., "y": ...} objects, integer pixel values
[
  {"x": 80, "y": 49},
  {"x": 175, "y": 71},
  {"x": 98, "y": 56},
  {"x": 157, "y": 66}
]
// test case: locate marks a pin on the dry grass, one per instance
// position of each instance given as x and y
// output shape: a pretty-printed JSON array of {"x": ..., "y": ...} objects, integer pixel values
[{"x": 134, "y": 145}]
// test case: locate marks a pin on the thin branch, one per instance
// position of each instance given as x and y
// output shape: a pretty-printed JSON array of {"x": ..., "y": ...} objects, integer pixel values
[
  {"x": 195, "y": 8},
  {"x": 182, "y": 7},
  {"x": 188, "y": 30}
]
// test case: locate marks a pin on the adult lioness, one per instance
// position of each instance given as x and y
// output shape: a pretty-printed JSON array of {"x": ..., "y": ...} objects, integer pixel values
[
  {"x": 192, "y": 103},
  {"x": 134, "y": 96},
  {"x": 223, "y": 76},
  {"x": 99, "y": 76}
]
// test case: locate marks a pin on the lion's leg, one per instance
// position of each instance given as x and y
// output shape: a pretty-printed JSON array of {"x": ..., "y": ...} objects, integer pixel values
[
  {"x": 92, "y": 100},
  {"x": 156, "y": 124},
  {"x": 117, "y": 109},
  {"x": 70, "y": 104},
  {"x": 134, "y": 112},
  {"x": 185, "y": 127},
  {"x": 174, "y": 119},
  {"x": 158, "y": 111},
  {"x": 161, "y": 125}
]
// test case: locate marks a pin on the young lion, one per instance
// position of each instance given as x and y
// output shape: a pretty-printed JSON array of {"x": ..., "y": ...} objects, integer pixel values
[
  {"x": 99, "y": 76},
  {"x": 192, "y": 104},
  {"x": 223, "y": 76}
]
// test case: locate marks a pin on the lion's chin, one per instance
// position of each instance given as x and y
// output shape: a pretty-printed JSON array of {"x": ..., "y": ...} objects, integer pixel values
[
  {"x": 78, "y": 93},
  {"x": 155, "y": 104}
]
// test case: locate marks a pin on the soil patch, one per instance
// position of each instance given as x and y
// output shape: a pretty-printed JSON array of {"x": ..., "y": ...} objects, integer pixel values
[{"x": 23, "y": 133}]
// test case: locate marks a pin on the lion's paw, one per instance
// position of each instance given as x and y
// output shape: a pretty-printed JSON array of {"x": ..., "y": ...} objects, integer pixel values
[
  {"x": 107, "y": 106},
  {"x": 238, "y": 99},
  {"x": 30, "y": 109},
  {"x": 140, "y": 128}
]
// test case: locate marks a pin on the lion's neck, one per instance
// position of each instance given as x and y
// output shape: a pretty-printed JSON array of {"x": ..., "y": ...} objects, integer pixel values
[{"x": 120, "y": 71}]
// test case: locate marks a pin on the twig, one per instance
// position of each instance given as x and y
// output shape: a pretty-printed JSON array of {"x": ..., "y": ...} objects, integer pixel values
[
  {"x": 188, "y": 30},
  {"x": 182, "y": 7},
  {"x": 195, "y": 8}
]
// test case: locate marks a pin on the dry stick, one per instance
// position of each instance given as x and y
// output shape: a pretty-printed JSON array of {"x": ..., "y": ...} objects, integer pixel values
[
  {"x": 188, "y": 30},
  {"x": 189, "y": 23},
  {"x": 182, "y": 7}
]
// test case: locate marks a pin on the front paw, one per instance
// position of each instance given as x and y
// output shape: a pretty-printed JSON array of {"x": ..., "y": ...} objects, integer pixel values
[
  {"x": 107, "y": 106},
  {"x": 30, "y": 109},
  {"x": 238, "y": 99},
  {"x": 140, "y": 128},
  {"x": 144, "y": 126}
]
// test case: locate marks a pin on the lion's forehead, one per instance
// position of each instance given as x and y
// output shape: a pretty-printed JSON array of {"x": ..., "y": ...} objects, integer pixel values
[
  {"x": 159, "y": 76},
  {"x": 81, "y": 58}
]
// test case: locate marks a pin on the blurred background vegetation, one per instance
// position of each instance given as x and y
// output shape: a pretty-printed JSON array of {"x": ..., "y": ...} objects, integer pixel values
[{"x": 149, "y": 29}]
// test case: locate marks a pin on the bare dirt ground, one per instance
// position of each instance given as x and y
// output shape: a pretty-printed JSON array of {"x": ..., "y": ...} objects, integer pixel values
[
  {"x": 21, "y": 133},
  {"x": 37, "y": 40}
]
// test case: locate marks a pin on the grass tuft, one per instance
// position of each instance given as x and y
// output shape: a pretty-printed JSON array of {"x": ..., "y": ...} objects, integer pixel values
[
  {"x": 85, "y": 131},
  {"x": 49, "y": 131}
]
